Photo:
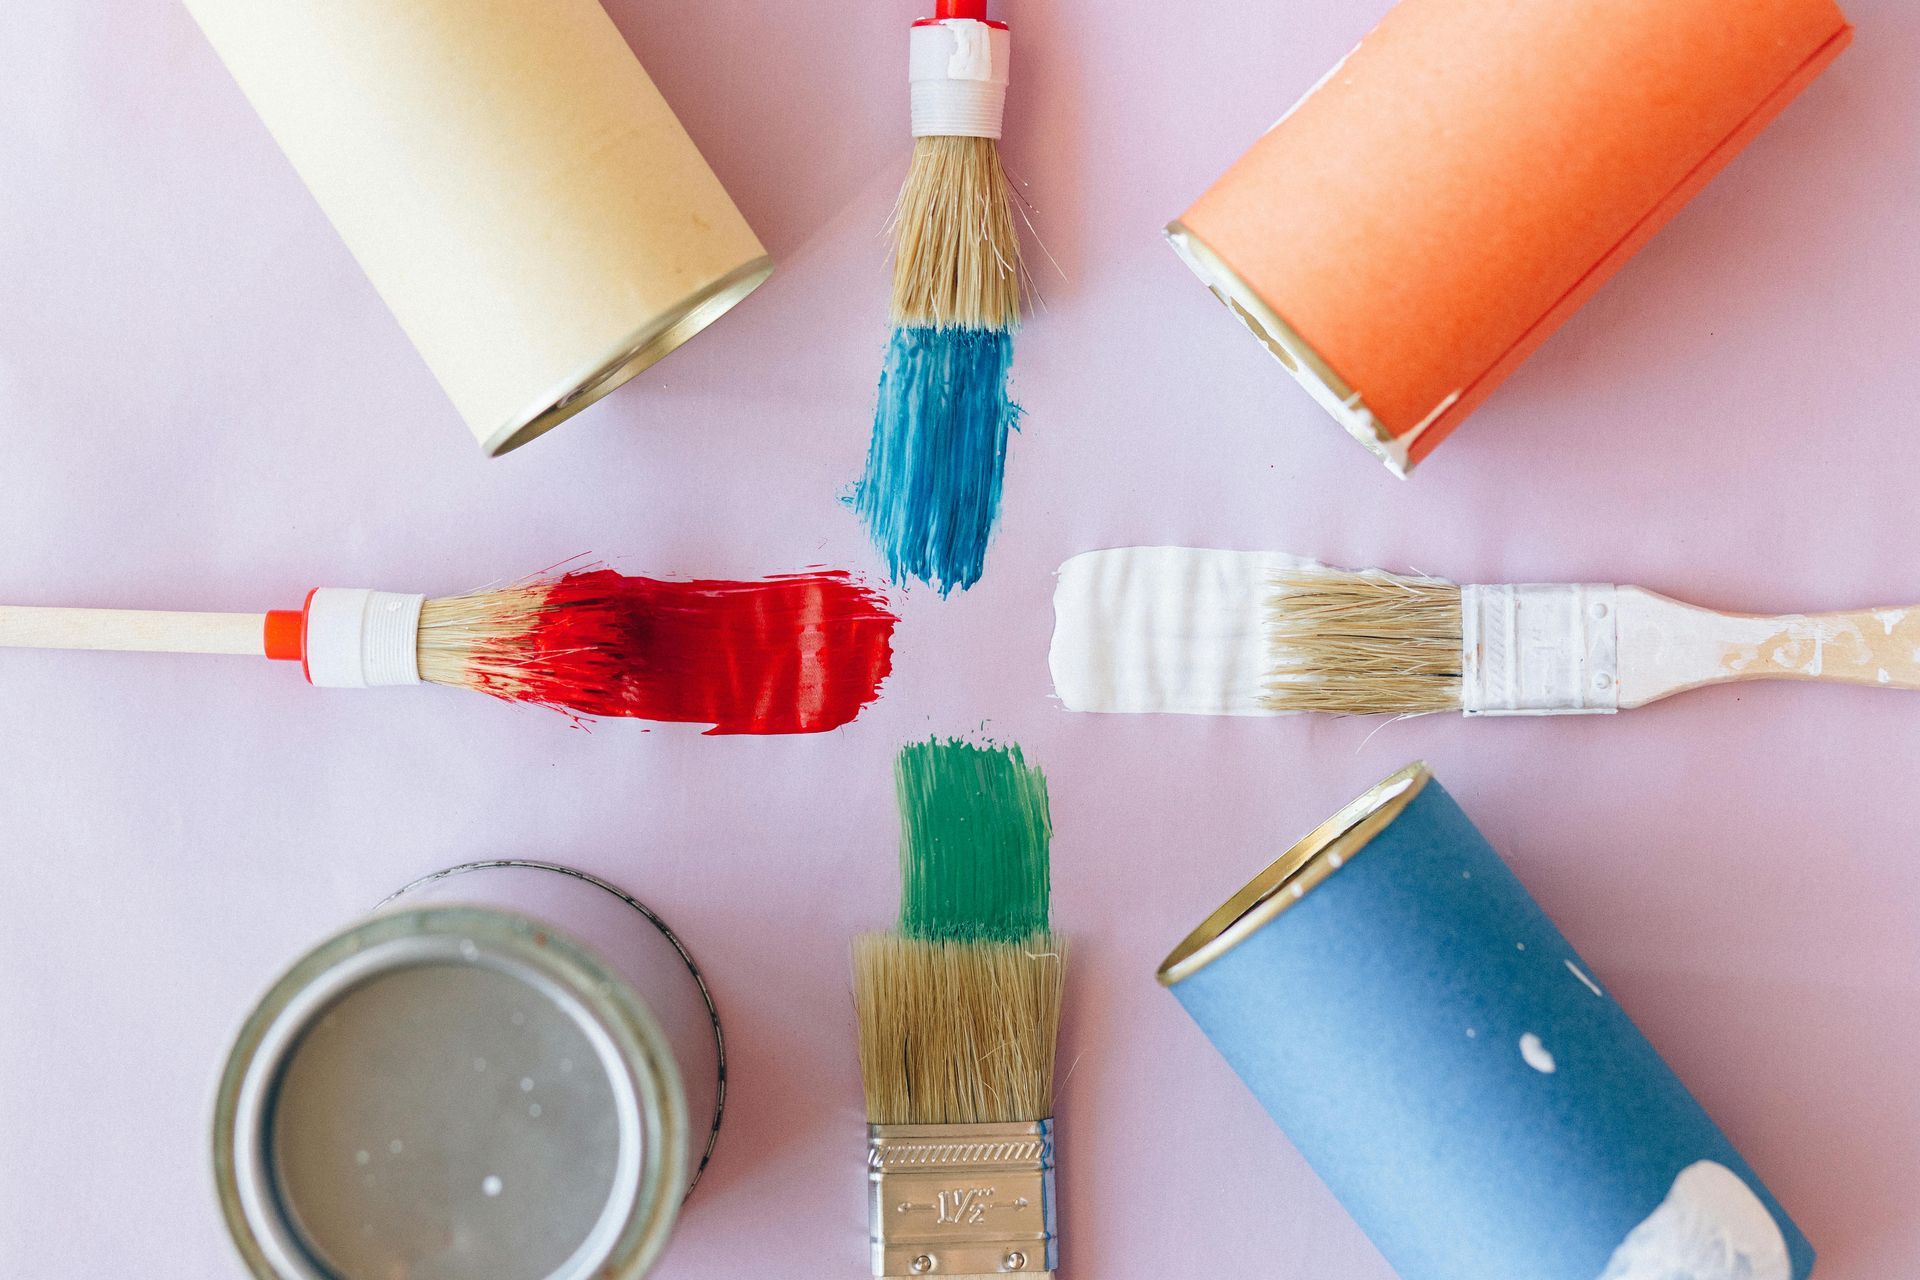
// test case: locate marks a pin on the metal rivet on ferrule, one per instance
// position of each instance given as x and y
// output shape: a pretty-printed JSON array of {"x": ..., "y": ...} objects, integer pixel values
[
  {"x": 1016, "y": 1261},
  {"x": 921, "y": 1265}
]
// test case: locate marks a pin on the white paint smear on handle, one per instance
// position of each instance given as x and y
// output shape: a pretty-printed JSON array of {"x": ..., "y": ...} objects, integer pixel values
[
  {"x": 1711, "y": 1226},
  {"x": 1165, "y": 629}
]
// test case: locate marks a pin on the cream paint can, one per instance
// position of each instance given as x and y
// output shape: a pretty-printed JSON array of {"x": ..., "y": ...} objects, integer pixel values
[
  {"x": 511, "y": 181},
  {"x": 511, "y": 1071}
]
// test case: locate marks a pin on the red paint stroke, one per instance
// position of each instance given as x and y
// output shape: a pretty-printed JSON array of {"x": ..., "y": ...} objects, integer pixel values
[{"x": 797, "y": 653}]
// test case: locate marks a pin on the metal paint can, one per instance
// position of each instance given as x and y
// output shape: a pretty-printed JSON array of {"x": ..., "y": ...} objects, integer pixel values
[
  {"x": 1460, "y": 184},
  {"x": 512, "y": 1070},
  {"x": 510, "y": 179},
  {"x": 1451, "y": 1068}
]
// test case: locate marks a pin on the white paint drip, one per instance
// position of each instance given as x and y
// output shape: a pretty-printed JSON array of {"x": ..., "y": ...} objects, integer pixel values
[
  {"x": 1585, "y": 981},
  {"x": 1164, "y": 629},
  {"x": 1318, "y": 85},
  {"x": 1432, "y": 417},
  {"x": 1711, "y": 1226},
  {"x": 1536, "y": 1054}
]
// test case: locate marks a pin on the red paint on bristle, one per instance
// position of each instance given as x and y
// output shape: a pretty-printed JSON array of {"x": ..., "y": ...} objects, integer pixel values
[{"x": 799, "y": 653}]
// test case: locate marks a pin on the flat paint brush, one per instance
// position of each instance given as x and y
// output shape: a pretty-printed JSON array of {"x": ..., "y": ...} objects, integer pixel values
[
  {"x": 1250, "y": 633},
  {"x": 959, "y": 1013},
  {"x": 799, "y": 653}
]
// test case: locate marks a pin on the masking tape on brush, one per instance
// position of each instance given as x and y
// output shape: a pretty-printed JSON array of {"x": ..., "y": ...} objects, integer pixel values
[
  {"x": 357, "y": 639},
  {"x": 957, "y": 72}
]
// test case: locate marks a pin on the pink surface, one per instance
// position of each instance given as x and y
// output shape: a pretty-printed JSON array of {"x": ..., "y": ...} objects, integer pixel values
[{"x": 205, "y": 406}]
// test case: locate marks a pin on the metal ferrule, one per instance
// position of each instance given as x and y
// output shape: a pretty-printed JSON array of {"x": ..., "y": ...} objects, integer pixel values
[
  {"x": 1539, "y": 650},
  {"x": 961, "y": 1199}
]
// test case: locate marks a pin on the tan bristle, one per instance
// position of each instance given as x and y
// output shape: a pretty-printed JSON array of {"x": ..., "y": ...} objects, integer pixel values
[
  {"x": 957, "y": 1032},
  {"x": 1362, "y": 643},
  {"x": 956, "y": 255},
  {"x": 462, "y": 638}
]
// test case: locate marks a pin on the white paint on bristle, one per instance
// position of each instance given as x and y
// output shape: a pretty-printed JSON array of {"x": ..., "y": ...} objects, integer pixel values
[
  {"x": 1165, "y": 629},
  {"x": 1711, "y": 1226}
]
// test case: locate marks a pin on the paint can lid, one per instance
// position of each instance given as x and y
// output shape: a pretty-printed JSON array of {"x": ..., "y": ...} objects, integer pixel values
[{"x": 450, "y": 1093}]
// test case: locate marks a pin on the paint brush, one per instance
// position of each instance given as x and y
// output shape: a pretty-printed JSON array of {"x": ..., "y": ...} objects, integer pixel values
[
  {"x": 1224, "y": 632},
  {"x": 959, "y": 1013},
  {"x": 800, "y": 653},
  {"x": 931, "y": 490}
]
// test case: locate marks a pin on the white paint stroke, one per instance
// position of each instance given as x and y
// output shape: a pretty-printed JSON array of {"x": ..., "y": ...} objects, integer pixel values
[
  {"x": 1164, "y": 629},
  {"x": 1589, "y": 983},
  {"x": 1711, "y": 1226}
]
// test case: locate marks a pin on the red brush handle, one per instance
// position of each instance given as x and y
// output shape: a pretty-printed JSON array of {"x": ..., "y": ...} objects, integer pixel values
[{"x": 975, "y": 9}]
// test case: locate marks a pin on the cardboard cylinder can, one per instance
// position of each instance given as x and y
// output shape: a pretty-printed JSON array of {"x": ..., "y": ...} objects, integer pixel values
[
  {"x": 511, "y": 1070},
  {"x": 1448, "y": 1064},
  {"x": 1470, "y": 175},
  {"x": 510, "y": 180}
]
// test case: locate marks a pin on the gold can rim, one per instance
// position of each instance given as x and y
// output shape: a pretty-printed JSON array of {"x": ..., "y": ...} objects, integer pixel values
[
  {"x": 1334, "y": 394},
  {"x": 652, "y": 343},
  {"x": 1287, "y": 879}
]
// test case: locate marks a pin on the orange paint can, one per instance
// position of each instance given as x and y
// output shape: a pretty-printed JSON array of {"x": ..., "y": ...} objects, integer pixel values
[{"x": 1470, "y": 175}]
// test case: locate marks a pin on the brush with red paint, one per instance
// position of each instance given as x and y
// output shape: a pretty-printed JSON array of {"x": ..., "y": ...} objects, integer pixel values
[{"x": 797, "y": 653}]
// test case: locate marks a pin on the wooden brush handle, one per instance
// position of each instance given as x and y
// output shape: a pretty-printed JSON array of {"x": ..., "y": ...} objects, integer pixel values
[
  {"x": 1667, "y": 646},
  {"x": 137, "y": 630},
  {"x": 1865, "y": 646}
]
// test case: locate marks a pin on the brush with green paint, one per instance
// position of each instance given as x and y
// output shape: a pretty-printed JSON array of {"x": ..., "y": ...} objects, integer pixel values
[{"x": 959, "y": 1015}]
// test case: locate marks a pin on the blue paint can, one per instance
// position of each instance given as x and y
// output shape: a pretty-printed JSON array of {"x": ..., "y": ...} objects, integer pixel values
[{"x": 1453, "y": 1070}]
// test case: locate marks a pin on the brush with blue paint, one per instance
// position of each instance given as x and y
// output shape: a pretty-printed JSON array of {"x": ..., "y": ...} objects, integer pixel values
[
  {"x": 931, "y": 491},
  {"x": 959, "y": 1016}
]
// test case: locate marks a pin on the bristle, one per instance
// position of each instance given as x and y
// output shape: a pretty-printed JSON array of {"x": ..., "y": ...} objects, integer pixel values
[
  {"x": 957, "y": 1032},
  {"x": 798, "y": 653},
  {"x": 956, "y": 250},
  {"x": 1362, "y": 643},
  {"x": 468, "y": 641},
  {"x": 975, "y": 831}
]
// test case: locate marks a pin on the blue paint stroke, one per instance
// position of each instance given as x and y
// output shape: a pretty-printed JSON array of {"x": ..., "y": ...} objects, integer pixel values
[{"x": 931, "y": 493}]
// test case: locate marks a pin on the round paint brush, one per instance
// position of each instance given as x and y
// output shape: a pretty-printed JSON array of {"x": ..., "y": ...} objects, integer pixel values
[
  {"x": 956, "y": 257},
  {"x": 800, "y": 653},
  {"x": 930, "y": 494}
]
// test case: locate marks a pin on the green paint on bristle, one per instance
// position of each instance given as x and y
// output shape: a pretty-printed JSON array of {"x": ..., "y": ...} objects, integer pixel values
[{"x": 974, "y": 835}]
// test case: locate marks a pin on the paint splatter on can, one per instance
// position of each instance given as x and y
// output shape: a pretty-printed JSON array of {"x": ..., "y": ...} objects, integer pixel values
[
  {"x": 1454, "y": 1071},
  {"x": 1458, "y": 186},
  {"x": 511, "y": 1070}
]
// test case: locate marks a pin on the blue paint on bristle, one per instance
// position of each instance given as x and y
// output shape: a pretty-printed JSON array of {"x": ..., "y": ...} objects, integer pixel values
[{"x": 931, "y": 493}]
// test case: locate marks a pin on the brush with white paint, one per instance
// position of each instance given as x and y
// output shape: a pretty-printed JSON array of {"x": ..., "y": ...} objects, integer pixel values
[{"x": 1177, "y": 629}]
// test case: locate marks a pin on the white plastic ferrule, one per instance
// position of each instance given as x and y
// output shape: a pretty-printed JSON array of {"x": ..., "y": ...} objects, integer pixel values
[
  {"x": 362, "y": 639},
  {"x": 957, "y": 71},
  {"x": 1539, "y": 650}
]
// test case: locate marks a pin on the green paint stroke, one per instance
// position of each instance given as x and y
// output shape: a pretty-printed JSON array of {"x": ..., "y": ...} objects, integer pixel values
[{"x": 974, "y": 835}]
